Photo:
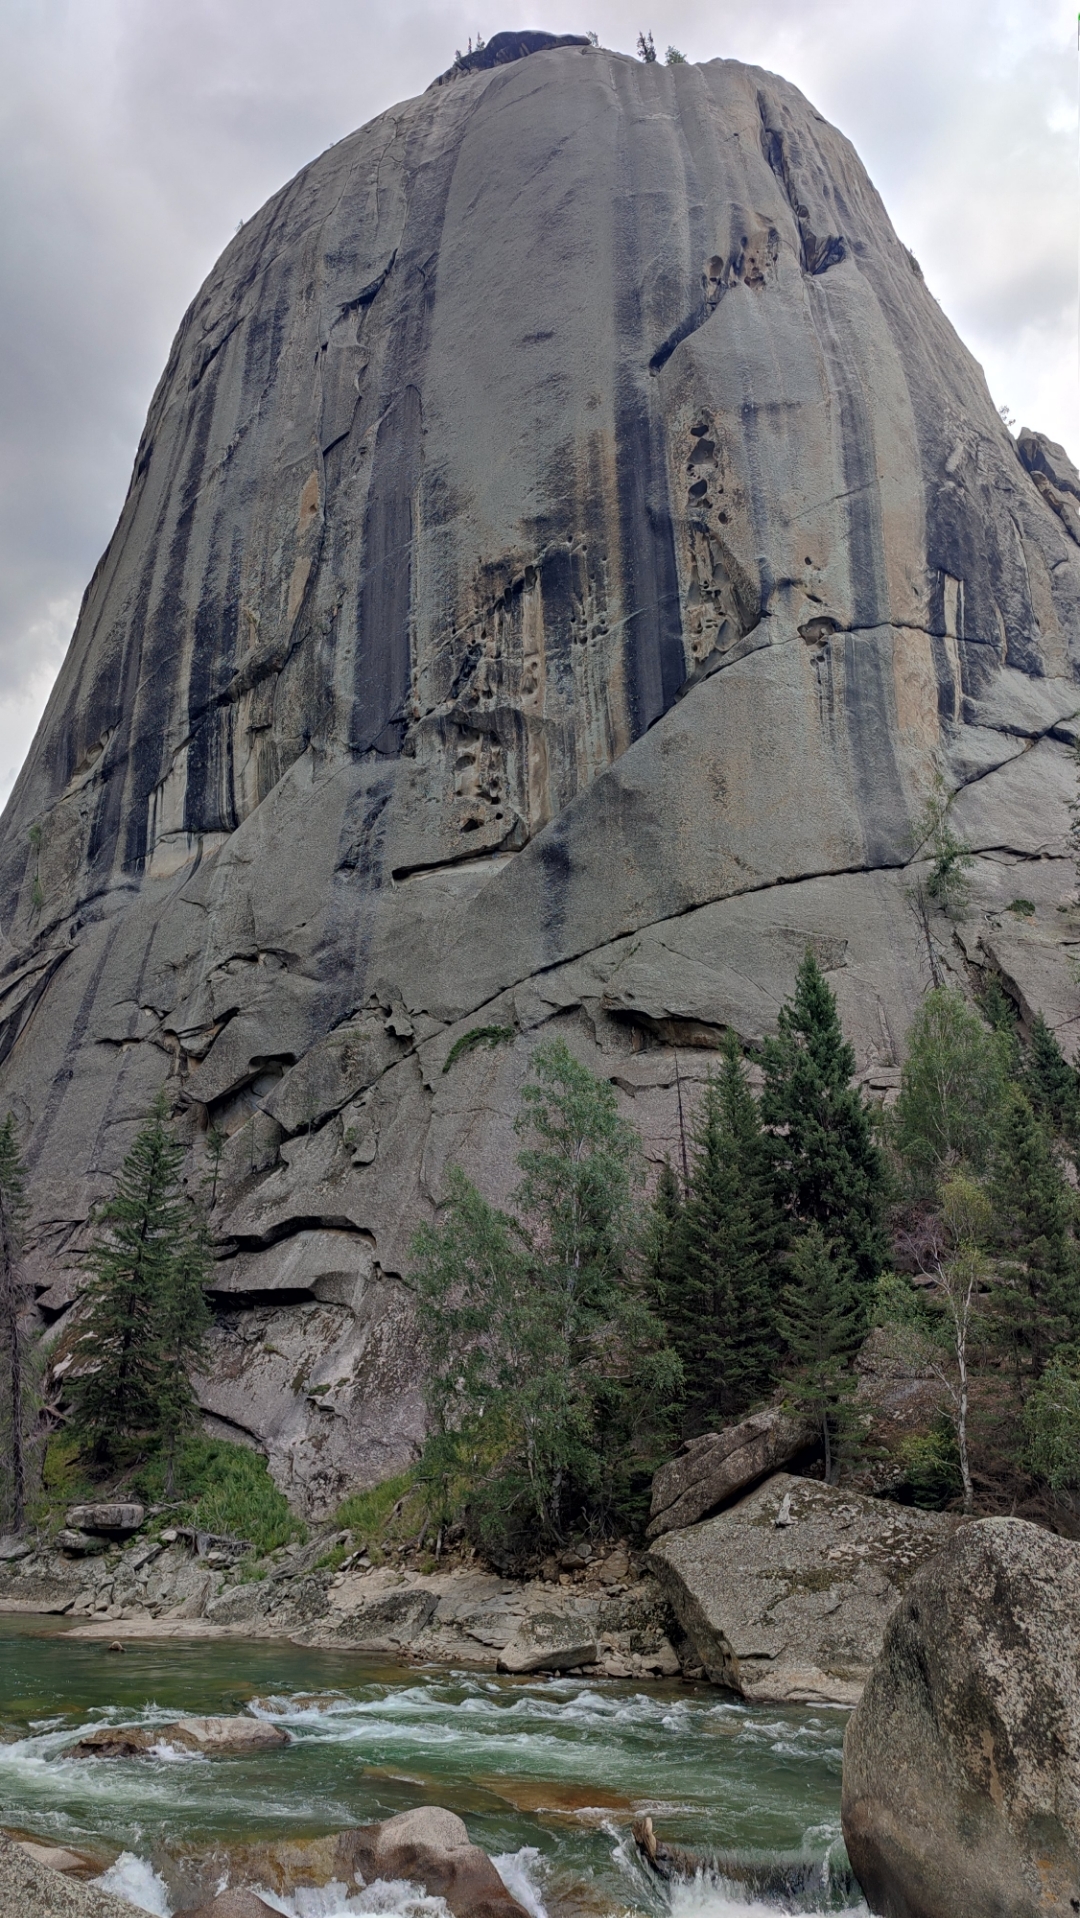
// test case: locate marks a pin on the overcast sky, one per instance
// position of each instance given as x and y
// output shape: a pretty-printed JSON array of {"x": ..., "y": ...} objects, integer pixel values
[{"x": 135, "y": 134}]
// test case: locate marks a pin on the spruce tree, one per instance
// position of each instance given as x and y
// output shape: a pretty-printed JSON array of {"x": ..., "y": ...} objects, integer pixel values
[
  {"x": 828, "y": 1169},
  {"x": 14, "y": 1298},
  {"x": 1038, "y": 1299},
  {"x": 718, "y": 1303},
  {"x": 821, "y": 1327},
  {"x": 144, "y": 1306},
  {"x": 1051, "y": 1084}
]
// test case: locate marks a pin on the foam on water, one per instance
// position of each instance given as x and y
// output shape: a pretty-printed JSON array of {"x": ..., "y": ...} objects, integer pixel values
[
  {"x": 392, "y": 1897},
  {"x": 521, "y": 1872},
  {"x": 134, "y": 1879}
]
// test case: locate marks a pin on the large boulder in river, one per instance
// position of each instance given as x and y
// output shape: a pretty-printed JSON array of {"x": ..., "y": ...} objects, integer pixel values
[
  {"x": 567, "y": 542},
  {"x": 712, "y": 1470},
  {"x": 786, "y": 1595},
  {"x": 210, "y": 1737},
  {"x": 962, "y": 1762},
  {"x": 428, "y": 1846}
]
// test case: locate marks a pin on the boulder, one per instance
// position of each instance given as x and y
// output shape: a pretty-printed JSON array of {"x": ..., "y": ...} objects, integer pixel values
[
  {"x": 428, "y": 1846},
  {"x": 547, "y": 1642},
  {"x": 962, "y": 1761},
  {"x": 713, "y": 1470},
  {"x": 786, "y": 1595},
  {"x": 80, "y": 1544},
  {"x": 119, "y": 1517},
  {"x": 212, "y": 1737},
  {"x": 431, "y": 1847}
]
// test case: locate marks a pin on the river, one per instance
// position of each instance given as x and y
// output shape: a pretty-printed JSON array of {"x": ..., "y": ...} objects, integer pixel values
[{"x": 547, "y": 1773}]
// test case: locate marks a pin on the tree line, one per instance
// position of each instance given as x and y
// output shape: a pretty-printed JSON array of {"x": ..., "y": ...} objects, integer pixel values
[{"x": 574, "y": 1339}]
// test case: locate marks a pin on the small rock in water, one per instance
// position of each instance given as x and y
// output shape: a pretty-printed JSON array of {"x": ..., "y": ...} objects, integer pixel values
[{"x": 116, "y": 1646}]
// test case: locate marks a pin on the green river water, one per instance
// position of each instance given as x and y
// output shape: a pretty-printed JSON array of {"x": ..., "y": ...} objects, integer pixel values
[{"x": 547, "y": 1773}]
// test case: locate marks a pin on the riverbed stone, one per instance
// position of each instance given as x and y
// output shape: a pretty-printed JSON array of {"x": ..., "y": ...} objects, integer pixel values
[
  {"x": 962, "y": 1761},
  {"x": 713, "y": 1470},
  {"x": 428, "y": 1846},
  {"x": 231, "y": 1904},
  {"x": 785, "y": 1596},
  {"x": 210, "y": 1737}
]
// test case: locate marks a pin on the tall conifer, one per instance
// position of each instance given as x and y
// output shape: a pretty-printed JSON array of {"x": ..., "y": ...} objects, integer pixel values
[
  {"x": 821, "y": 1327},
  {"x": 827, "y": 1165},
  {"x": 1051, "y": 1084},
  {"x": 1039, "y": 1299},
  {"x": 718, "y": 1294},
  {"x": 145, "y": 1307}
]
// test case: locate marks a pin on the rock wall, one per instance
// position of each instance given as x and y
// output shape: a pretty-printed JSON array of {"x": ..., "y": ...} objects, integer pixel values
[{"x": 567, "y": 542}]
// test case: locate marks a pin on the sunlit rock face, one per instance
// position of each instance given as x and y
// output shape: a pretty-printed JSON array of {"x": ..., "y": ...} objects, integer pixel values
[{"x": 567, "y": 543}]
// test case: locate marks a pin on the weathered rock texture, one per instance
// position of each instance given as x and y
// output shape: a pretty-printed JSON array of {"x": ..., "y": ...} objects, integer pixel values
[
  {"x": 566, "y": 543},
  {"x": 34, "y": 1890},
  {"x": 712, "y": 1470},
  {"x": 787, "y": 1594},
  {"x": 962, "y": 1761}
]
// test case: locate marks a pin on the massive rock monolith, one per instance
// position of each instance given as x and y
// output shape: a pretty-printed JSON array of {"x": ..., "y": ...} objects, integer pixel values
[{"x": 567, "y": 543}]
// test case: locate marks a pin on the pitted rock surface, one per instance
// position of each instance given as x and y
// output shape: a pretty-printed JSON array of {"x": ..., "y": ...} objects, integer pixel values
[
  {"x": 566, "y": 543},
  {"x": 962, "y": 1761},
  {"x": 786, "y": 1595}
]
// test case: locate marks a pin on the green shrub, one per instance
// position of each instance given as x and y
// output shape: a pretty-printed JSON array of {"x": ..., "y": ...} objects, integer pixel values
[
  {"x": 931, "y": 1462},
  {"x": 489, "y": 1036},
  {"x": 226, "y": 1489},
  {"x": 1022, "y": 907}
]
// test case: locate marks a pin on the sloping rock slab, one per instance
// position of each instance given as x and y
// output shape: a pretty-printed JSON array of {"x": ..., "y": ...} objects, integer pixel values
[
  {"x": 715, "y": 1469},
  {"x": 787, "y": 1595},
  {"x": 212, "y": 1737},
  {"x": 33, "y": 1890},
  {"x": 962, "y": 1762}
]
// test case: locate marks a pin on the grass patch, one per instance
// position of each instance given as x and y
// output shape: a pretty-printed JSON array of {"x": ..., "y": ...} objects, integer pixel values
[
  {"x": 390, "y": 1513},
  {"x": 226, "y": 1489},
  {"x": 1024, "y": 908}
]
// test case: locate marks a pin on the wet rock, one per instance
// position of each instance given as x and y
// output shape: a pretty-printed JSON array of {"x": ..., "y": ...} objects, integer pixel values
[
  {"x": 118, "y": 1518},
  {"x": 715, "y": 1469},
  {"x": 212, "y": 1737},
  {"x": 431, "y": 1847},
  {"x": 428, "y": 1847},
  {"x": 231, "y": 1904},
  {"x": 786, "y": 1595},
  {"x": 962, "y": 1761}
]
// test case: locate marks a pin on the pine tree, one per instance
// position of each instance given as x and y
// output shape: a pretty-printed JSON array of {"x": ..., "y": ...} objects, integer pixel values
[
  {"x": 144, "y": 1306},
  {"x": 821, "y": 1328},
  {"x": 827, "y": 1166},
  {"x": 14, "y": 1298},
  {"x": 1038, "y": 1300},
  {"x": 1051, "y": 1084},
  {"x": 718, "y": 1303}
]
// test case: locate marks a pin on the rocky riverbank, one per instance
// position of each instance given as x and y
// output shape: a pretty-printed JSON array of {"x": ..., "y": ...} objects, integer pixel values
[{"x": 783, "y": 1596}]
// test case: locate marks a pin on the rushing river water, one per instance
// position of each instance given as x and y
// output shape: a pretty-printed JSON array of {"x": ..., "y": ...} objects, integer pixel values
[{"x": 548, "y": 1774}]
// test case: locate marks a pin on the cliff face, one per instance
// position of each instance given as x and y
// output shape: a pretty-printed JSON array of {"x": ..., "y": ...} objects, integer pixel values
[{"x": 566, "y": 544}]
